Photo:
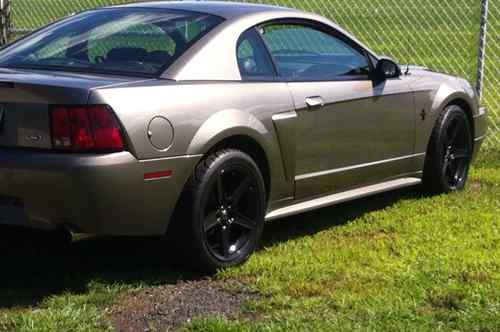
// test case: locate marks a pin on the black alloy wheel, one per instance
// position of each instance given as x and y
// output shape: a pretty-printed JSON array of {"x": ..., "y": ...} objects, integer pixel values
[
  {"x": 457, "y": 150},
  {"x": 220, "y": 218},
  {"x": 231, "y": 211},
  {"x": 450, "y": 152}
]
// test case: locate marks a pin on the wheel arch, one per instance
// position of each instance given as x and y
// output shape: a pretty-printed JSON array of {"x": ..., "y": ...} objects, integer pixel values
[
  {"x": 243, "y": 131},
  {"x": 447, "y": 96},
  {"x": 462, "y": 103},
  {"x": 250, "y": 146}
]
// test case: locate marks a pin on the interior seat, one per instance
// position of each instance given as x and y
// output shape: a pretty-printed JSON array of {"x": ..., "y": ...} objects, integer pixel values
[{"x": 126, "y": 54}]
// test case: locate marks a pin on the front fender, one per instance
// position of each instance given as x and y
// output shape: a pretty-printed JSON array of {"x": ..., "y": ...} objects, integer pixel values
[
  {"x": 432, "y": 95},
  {"x": 446, "y": 95}
]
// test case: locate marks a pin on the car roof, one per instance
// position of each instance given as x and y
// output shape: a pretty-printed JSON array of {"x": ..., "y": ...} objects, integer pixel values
[{"x": 225, "y": 9}]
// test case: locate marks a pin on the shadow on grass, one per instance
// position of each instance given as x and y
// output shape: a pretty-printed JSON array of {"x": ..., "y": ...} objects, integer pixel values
[
  {"x": 30, "y": 273},
  {"x": 322, "y": 219}
]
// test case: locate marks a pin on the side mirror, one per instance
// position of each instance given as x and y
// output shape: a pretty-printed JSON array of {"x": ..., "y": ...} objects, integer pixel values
[{"x": 387, "y": 68}]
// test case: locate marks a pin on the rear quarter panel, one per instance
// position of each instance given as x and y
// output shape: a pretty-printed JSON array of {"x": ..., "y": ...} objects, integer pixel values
[{"x": 202, "y": 115}]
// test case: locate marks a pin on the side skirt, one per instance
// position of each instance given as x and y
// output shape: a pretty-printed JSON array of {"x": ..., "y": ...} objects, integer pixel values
[{"x": 341, "y": 197}]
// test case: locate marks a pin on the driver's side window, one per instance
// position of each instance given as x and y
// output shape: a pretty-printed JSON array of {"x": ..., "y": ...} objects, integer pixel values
[{"x": 302, "y": 52}]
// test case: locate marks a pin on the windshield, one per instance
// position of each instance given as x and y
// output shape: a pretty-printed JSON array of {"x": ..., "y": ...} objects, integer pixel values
[{"x": 128, "y": 41}]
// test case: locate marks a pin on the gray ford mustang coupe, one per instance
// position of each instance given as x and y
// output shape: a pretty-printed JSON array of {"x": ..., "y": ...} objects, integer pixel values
[{"x": 201, "y": 120}]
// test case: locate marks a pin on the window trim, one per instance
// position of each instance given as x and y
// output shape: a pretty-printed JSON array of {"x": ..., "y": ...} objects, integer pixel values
[{"x": 325, "y": 29}]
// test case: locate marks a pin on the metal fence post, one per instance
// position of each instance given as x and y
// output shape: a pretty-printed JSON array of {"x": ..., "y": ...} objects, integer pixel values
[
  {"x": 482, "y": 47},
  {"x": 5, "y": 11},
  {"x": 2, "y": 22}
]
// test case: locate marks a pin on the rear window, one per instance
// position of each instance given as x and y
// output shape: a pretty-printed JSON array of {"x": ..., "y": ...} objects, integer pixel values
[{"x": 129, "y": 41}]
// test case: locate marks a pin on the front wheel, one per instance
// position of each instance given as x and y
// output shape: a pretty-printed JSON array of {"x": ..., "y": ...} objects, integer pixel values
[
  {"x": 220, "y": 217},
  {"x": 449, "y": 153}
]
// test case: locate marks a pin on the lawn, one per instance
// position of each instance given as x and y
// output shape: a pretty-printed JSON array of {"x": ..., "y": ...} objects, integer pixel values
[{"x": 396, "y": 261}]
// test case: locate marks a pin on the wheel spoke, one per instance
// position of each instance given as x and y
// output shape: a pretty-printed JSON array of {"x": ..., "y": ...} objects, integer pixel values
[
  {"x": 446, "y": 165},
  {"x": 220, "y": 188},
  {"x": 244, "y": 221},
  {"x": 241, "y": 190},
  {"x": 461, "y": 154},
  {"x": 454, "y": 133},
  {"x": 211, "y": 221},
  {"x": 225, "y": 237},
  {"x": 448, "y": 170},
  {"x": 453, "y": 169},
  {"x": 227, "y": 225}
]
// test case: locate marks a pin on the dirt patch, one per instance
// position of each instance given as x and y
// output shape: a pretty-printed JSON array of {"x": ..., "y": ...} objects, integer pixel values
[
  {"x": 475, "y": 186},
  {"x": 169, "y": 307}
]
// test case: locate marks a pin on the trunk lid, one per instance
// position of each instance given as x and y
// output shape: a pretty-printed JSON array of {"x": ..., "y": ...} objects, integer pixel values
[{"x": 26, "y": 96}]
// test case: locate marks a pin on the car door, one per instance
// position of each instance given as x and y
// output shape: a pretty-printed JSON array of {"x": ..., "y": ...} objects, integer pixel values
[{"x": 351, "y": 130}]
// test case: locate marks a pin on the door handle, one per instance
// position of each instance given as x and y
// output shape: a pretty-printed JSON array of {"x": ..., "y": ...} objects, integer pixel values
[{"x": 314, "y": 103}]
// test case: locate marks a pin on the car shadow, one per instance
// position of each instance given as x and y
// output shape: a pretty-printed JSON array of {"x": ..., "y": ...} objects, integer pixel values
[
  {"x": 30, "y": 272},
  {"x": 313, "y": 222}
]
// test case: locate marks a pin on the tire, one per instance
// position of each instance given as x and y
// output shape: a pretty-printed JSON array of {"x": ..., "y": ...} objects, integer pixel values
[
  {"x": 449, "y": 153},
  {"x": 220, "y": 217}
]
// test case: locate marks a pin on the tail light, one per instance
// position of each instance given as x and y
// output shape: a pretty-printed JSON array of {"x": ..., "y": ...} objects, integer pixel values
[{"x": 92, "y": 128}]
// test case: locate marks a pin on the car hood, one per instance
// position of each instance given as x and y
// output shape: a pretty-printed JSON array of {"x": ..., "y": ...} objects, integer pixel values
[{"x": 422, "y": 71}]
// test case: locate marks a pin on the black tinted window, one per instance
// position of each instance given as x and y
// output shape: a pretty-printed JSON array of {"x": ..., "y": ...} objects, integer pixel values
[
  {"x": 305, "y": 53},
  {"x": 253, "y": 59},
  {"x": 122, "y": 40}
]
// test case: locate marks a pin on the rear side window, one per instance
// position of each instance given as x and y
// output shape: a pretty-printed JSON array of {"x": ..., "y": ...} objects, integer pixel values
[
  {"x": 303, "y": 52},
  {"x": 145, "y": 40},
  {"x": 117, "y": 41},
  {"x": 253, "y": 58}
]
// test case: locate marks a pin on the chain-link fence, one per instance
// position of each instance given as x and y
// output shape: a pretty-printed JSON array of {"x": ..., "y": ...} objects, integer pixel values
[{"x": 441, "y": 34}]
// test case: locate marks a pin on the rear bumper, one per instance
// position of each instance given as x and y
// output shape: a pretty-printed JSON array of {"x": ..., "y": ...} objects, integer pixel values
[
  {"x": 99, "y": 194},
  {"x": 480, "y": 129}
]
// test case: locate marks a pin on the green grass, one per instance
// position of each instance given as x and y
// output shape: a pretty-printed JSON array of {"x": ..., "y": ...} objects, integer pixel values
[{"x": 396, "y": 261}]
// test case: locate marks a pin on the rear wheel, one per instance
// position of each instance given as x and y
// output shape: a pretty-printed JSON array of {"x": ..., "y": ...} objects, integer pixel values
[
  {"x": 449, "y": 153},
  {"x": 220, "y": 217}
]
